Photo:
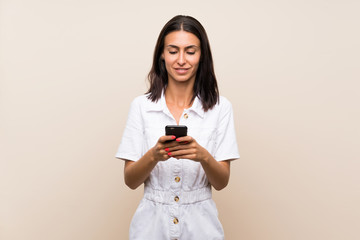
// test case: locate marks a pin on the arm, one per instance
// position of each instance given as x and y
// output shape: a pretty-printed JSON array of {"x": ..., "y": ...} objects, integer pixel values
[
  {"x": 135, "y": 173},
  {"x": 218, "y": 173}
]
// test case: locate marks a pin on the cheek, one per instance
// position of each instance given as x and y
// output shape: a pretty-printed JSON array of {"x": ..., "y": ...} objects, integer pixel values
[
  {"x": 167, "y": 65},
  {"x": 166, "y": 62},
  {"x": 169, "y": 60},
  {"x": 195, "y": 60}
]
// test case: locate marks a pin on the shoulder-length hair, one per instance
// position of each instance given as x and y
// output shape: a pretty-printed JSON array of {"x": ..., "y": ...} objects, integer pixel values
[{"x": 205, "y": 86}]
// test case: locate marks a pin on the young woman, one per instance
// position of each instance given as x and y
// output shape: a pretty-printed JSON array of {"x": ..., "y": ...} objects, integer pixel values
[{"x": 178, "y": 174}]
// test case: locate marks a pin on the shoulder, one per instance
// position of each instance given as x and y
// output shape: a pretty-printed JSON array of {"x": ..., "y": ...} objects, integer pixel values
[
  {"x": 143, "y": 103},
  {"x": 221, "y": 109},
  {"x": 140, "y": 101},
  {"x": 136, "y": 104},
  {"x": 223, "y": 104},
  {"x": 224, "y": 101}
]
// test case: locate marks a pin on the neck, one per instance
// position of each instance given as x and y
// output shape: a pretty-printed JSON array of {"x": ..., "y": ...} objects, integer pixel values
[{"x": 179, "y": 95}]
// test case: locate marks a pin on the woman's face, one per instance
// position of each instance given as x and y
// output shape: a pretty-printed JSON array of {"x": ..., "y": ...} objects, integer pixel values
[{"x": 182, "y": 56}]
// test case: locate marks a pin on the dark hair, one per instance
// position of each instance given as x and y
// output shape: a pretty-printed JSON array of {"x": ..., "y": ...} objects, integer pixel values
[{"x": 205, "y": 86}]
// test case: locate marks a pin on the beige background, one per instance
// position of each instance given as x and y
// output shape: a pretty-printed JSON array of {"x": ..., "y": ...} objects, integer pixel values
[{"x": 69, "y": 70}]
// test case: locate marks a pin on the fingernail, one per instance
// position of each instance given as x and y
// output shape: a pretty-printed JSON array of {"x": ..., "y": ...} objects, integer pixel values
[
  {"x": 173, "y": 137},
  {"x": 166, "y": 149},
  {"x": 177, "y": 140},
  {"x": 169, "y": 153}
]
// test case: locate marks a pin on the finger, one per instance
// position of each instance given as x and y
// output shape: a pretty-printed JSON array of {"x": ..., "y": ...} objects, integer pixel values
[
  {"x": 160, "y": 153},
  {"x": 188, "y": 156},
  {"x": 163, "y": 155},
  {"x": 185, "y": 139},
  {"x": 182, "y": 152},
  {"x": 171, "y": 143},
  {"x": 164, "y": 139},
  {"x": 179, "y": 146}
]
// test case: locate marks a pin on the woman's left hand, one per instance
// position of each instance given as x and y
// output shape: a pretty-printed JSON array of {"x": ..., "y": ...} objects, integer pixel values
[
  {"x": 188, "y": 148},
  {"x": 218, "y": 173}
]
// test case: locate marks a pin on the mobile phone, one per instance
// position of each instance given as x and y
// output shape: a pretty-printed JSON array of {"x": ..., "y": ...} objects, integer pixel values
[{"x": 176, "y": 130}]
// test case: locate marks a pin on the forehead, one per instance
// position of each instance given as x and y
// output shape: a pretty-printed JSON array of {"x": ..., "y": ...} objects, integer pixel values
[{"x": 181, "y": 39}]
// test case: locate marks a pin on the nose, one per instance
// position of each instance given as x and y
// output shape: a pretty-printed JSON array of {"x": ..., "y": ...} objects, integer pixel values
[{"x": 181, "y": 59}]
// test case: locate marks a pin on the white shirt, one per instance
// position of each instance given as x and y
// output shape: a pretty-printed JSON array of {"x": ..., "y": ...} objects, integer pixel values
[{"x": 177, "y": 200}]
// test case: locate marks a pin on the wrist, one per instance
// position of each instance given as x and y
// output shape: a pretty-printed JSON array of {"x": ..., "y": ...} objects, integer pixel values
[
  {"x": 206, "y": 159},
  {"x": 152, "y": 156}
]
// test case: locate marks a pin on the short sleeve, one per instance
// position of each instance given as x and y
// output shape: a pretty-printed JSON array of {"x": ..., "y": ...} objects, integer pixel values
[
  {"x": 131, "y": 146},
  {"x": 226, "y": 144}
]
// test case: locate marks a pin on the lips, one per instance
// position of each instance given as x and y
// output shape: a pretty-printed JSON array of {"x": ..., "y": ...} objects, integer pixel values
[{"x": 181, "y": 70}]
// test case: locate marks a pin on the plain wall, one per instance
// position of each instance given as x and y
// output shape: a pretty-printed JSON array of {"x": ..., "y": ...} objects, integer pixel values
[{"x": 69, "y": 70}]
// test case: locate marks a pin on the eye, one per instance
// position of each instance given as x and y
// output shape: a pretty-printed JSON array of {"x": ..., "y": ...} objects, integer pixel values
[
  {"x": 191, "y": 53},
  {"x": 172, "y": 52}
]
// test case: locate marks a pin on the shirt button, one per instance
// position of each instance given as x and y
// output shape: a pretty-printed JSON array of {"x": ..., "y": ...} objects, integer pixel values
[
  {"x": 176, "y": 199},
  {"x": 186, "y": 116},
  {"x": 177, "y": 179},
  {"x": 176, "y": 221}
]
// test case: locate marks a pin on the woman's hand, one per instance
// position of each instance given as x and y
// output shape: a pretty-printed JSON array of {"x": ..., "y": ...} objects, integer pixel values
[
  {"x": 217, "y": 172},
  {"x": 136, "y": 172},
  {"x": 160, "y": 152},
  {"x": 188, "y": 148}
]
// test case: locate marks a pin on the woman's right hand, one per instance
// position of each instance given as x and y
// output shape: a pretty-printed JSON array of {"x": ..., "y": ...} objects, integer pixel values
[
  {"x": 159, "y": 151},
  {"x": 136, "y": 172}
]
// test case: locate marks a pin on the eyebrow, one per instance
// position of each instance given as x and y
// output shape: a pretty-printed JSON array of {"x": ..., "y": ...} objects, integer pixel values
[{"x": 174, "y": 46}]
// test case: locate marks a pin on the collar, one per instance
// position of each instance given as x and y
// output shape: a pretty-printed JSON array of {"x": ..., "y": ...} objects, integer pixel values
[
  {"x": 197, "y": 107},
  {"x": 160, "y": 105}
]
